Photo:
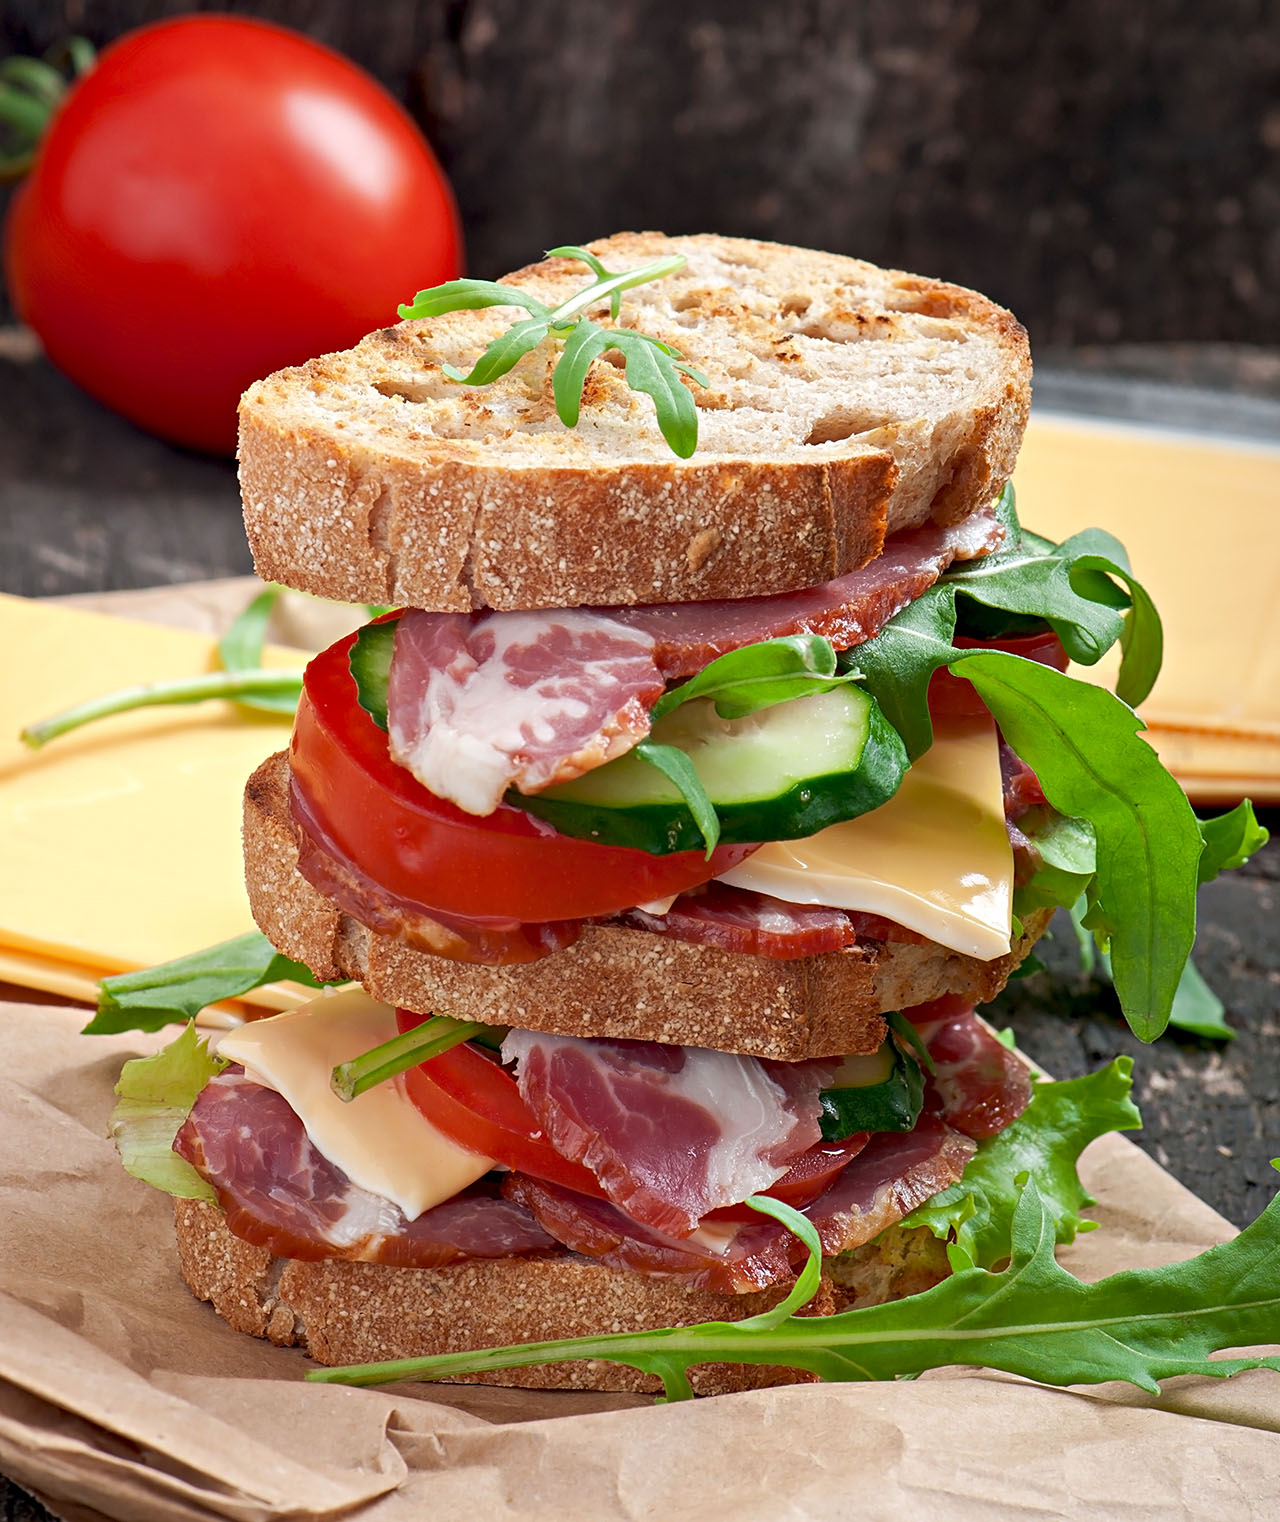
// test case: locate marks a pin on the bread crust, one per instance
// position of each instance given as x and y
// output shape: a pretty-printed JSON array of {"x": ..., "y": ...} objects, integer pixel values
[
  {"x": 846, "y": 401},
  {"x": 614, "y": 980},
  {"x": 343, "y": 1312}
]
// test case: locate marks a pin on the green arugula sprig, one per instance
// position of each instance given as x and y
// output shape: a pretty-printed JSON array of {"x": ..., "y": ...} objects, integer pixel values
[
  {"x": 1034, "y": 1319},
  {"x": 651, "y": 366},
  {"x": 438, "y": 1034},
  {"x": 243, "y": 680},
  {"x": 740, "y": 683},
  {"x": 178, "y": 990}
]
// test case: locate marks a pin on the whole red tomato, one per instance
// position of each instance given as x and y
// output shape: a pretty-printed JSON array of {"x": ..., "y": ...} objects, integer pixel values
[{"x": 217, "y": 198}]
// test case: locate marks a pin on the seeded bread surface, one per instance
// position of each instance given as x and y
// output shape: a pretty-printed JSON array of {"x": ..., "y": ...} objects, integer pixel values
[
  {"x": 614, "y": 980},
  {"x": 845, "y": 402},
  {"x": 344, "y": 1312}
]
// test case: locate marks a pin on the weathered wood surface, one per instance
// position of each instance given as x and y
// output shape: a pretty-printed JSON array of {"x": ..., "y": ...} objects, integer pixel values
[{"x": 1106, "y": 169}]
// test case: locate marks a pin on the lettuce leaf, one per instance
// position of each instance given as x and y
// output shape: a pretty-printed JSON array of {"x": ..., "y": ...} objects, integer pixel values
[
  {"x": 155, "y": 1097},
  {"x": 1045, "y": 1144}
]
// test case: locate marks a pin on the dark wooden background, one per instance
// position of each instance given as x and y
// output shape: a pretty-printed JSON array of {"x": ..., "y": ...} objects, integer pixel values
[{"x": 1109, "y": 169}]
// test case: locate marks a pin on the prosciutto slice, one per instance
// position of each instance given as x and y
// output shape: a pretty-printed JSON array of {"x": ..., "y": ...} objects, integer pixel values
[
  {"x": 479, "y": 703},
  {"x": 475, "y": 706},
  {"x": 886, "y": 1181},
  {"x": 278, "y": 1192},
  {"x": 671, "y": 1132},
  {"x": 740, "y": 919},
  {"x": 981, "y": 1086}
]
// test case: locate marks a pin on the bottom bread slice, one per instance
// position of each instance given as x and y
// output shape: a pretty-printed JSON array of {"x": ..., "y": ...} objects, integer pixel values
[{"x": 342, "y": 1312}]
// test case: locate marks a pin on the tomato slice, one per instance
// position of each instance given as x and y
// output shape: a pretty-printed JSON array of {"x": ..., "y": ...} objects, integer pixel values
[
  {"x": 476, "y": 1103},
  {"x": 950, "y": 694},
  {"x": 504, "y": 867}
]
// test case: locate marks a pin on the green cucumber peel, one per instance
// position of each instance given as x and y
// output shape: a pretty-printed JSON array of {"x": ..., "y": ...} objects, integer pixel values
[
  {"x": 891, "y": 1105},
  {"x": 1032, "y": 1318},
  {"x": 369, "y": 662},
  {"x": 178, "y": 990},
  {"x": 1044, "y": 1143},
  {"x": 155, "y": 1095},
  {"x": 438, "y": 1034},
  {"x": 652, "y": 368}
]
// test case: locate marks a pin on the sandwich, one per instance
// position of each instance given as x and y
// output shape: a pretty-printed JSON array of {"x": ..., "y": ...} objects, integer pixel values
[{"x": 672, "y": 817}]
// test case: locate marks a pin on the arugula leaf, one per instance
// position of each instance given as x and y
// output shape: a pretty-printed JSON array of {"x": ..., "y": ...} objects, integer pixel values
[
  {"x": 760, "y": 675},
  {"x": 896, "y": 665},
  {"x": 1083, "y": 745},
  {"x": 1068, "y": 860},
  {"x": 470, "y": 295},
  {"x": 1196, "y": 1008},
  {"x": 651, "y": 367},
  {"x": 240, "y": 649},
  {"x": 674, "y": 764},
  {"x": 157, "y": 996},
  {"x": 1045, "y": 1144},
  {"x": 502, "y": 354},
  {"x": 156, "y": 1094},
  {"x": 1034, "y": 1319},
  {"x": 1230, "y": 840}
]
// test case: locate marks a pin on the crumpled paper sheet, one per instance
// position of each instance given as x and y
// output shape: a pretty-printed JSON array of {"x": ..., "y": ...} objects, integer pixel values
[{"x": 122, "y": 1397}]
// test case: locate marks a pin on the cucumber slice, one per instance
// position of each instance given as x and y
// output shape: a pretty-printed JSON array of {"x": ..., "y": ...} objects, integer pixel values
[
  {"x": 777, "y": 774},
  {"x": 370, "y": 663},
  {"x": 884, "y": 1092}
]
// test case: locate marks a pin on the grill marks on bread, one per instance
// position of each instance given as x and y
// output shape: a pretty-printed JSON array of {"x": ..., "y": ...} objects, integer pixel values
[{"x": 844, "y": 400}]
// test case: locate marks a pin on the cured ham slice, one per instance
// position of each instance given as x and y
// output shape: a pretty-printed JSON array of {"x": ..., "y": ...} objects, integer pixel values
[
  {"x": 886, "y": 1181},
  {"x": 981, "y": 1085},
  {"x": 671, "y": 1132},
  {"x": 740, "y": 919},
  {"x": 848, "y": 610},
  {"x": 478, "y": 705},
  {"x": 278, "y": 1192}
]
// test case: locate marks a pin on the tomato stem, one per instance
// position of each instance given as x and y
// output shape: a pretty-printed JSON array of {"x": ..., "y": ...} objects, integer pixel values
[
  {"x": 350, "y": 1079},
  {"x": 31, "y": 90}
]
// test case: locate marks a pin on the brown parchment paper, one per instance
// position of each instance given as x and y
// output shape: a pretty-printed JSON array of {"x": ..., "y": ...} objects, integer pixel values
[{"x": 122, "y": 1397}]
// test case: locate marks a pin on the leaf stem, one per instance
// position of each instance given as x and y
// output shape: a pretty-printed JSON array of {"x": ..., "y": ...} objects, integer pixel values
[
  {"x": 566, "y": 314},
  {"x": 439, "y": 1034},
  {"x": 195, "y": 689}
]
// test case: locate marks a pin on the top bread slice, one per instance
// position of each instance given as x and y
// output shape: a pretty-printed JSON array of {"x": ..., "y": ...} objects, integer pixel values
[{"x": 845, "y": 402}]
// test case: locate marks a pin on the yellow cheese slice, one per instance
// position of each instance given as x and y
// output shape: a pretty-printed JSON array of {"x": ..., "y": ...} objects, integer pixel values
[
  {"x": 935, "y": 858},
  {"x": 119, "y": 843},
  {"x": 1198, "y": 517},
  {"x": 380, "y": 1140}
]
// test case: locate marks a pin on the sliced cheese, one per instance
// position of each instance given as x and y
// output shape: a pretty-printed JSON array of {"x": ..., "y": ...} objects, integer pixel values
[
  {"x": 380, "y": 1140},
  {"x": 1197, "y": 515},
  {"x": 935, "y": 858},
  {"x": 120, "y": 842}
]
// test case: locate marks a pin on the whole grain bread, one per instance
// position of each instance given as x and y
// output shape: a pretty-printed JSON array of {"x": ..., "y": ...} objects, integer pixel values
[
  {"x": 845, "y": 402},
  {"x": 344, "y": 1312},
  {"x": 614, "y": 980}
]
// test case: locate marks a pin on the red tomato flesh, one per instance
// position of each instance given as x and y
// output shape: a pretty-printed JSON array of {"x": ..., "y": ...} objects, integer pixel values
[
  {"x": 502, "y": 867},
  {"x": 476, "y": 1103},
  {"x": 219, "y": 197},
  {"x": 950, "y": 694}
]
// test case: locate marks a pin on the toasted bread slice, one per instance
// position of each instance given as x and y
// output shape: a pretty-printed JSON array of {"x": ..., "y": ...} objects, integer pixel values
[
  {"x": 845, "y": 402},
  {"x": 613, "y": 981},
  {"x": 366, "y": 1312}
]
